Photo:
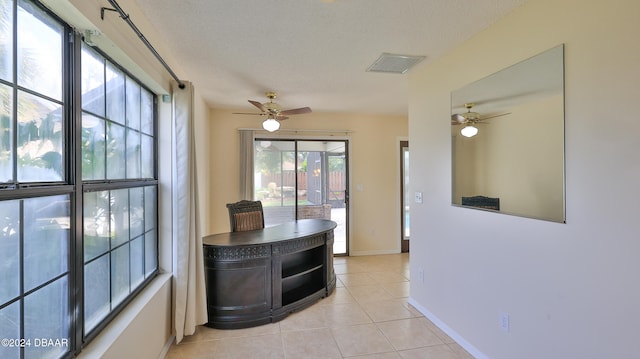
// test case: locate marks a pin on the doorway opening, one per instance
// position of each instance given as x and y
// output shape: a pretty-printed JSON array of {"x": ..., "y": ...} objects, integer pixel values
[{"x": 405, "y": 198}]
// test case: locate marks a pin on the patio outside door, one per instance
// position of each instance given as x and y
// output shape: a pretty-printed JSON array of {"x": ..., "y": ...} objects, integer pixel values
[
  {"x": 405, "y": 198},
  {"x": 298, "y": 179}
]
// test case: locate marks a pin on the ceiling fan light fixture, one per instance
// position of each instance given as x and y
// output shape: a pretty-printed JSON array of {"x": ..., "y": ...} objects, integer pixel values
[
  {"x": 271, "y": 124},
  {"x": 469, "y": 131}
]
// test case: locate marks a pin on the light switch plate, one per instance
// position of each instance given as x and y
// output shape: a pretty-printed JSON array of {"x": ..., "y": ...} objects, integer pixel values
[{"x": 504, "y": 321}]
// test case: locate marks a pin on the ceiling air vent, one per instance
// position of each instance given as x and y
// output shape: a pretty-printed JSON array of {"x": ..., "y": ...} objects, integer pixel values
[{"x": 393, "y": 63}]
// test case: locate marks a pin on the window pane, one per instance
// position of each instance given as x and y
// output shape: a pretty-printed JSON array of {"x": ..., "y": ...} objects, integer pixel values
[
  {"x": 133, "y": 154},
  {"x": 115, "y": 94},
  {"x": 93, "y": 99},
  {"x": 149, "y": 208},
  {"x": 120, "y": 217},
  {"x": 115, "y": 151},
  {"x": 46, "y": 239},
  {"x": 6, "y": 43},
  {"x": 93, "y": 147},
  {"x": 275, "y": 162},
  {"x": 39, "y": 139},
  {"x": 96, "y": 292},
  {"x": 150, "y": 246},
  {"x": 147, "y": 156},
  {"x": 119, "y": 274},
  {"x": 9, "y": 251},
  {"x": 10, "y": 328},
  {"x": 150, "y": 252},
  {"x": 146, "y": 112},
  {"x": 46, "y": 316},
  {"x": 133, "y": 104},
  {"x": 96, "y": 224},
  {"x": 136, "y": 211},
  {"x": 39, "y": 51},
  {"x": 6, "y": 131},
  {"x": 137, "y": 262}
]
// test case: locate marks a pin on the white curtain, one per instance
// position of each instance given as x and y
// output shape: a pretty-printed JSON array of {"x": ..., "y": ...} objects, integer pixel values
[
  {"x": 189, "y": 292},
  {"x": 246, "y": 164}
]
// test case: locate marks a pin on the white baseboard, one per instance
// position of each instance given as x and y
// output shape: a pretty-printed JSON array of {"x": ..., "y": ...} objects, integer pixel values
[
  {"x": 167, "y": 346},
  {"x": 450, "y": 332},
  {"x": 373, "y": 253}
]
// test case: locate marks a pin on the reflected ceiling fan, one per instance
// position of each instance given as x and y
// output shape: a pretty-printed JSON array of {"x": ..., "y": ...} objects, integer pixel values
[
  {"x": 469, "y": 119},
  {"x": 274, "y": 112}
]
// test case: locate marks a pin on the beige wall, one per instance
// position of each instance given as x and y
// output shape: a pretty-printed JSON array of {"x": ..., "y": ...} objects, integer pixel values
[
  {"x": 374, "y": 152},
  {"x": 570, "y": 289}
]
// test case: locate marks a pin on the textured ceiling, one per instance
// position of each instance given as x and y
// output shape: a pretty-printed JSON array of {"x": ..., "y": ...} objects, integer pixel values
[{"x": 311, "y": 52}]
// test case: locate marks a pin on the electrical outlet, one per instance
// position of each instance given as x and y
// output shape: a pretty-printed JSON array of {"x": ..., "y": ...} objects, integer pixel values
[
  {"x": 421, "y": 275},
  {"x": 504, "y": 321},
  {"x": 418, "y": 196}
]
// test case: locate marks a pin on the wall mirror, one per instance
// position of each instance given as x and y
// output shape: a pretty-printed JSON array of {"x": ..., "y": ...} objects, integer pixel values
[{"x": 508, "y": 140}]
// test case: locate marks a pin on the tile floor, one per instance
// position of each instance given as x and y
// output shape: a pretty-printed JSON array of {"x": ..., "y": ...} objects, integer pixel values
[{"x": 366, "y": 317}]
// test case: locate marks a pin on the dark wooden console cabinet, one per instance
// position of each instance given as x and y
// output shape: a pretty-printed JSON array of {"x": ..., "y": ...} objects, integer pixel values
[{"x": 258, "y": 277}]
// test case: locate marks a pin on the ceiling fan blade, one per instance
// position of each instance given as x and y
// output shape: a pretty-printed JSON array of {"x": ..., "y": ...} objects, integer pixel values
[
  {"x": 258, "y": 105},
  {"x": 279, "y": 117},
  {"x": 296, "y": 111},
  {"x": 494, "y": 116},
  {"x": 247, "y": 113}
]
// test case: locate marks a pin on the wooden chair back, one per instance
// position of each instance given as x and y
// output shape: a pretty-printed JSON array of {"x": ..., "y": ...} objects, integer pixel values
[{"x": 245, "y": 215}]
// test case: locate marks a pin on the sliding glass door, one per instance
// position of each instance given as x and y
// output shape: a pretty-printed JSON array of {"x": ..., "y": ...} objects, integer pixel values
[{"x": 298, "y": 179}]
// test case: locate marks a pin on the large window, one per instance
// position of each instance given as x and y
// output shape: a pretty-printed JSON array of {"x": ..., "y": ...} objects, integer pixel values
[
  {"x": 78, "y": 186},
  {"x": 119, "y": 204}
]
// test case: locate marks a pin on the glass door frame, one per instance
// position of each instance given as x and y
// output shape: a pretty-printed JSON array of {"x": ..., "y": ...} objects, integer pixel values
[{"x": 347, "y": 169}]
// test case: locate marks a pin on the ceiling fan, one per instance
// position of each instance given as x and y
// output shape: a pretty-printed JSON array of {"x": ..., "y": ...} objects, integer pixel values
[
  {"x": 274, "y": 112},
  {"x": 469, "y": 119}
]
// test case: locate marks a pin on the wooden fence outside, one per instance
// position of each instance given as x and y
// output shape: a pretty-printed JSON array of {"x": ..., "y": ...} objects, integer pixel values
[{"x": 287, "y": 179}]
